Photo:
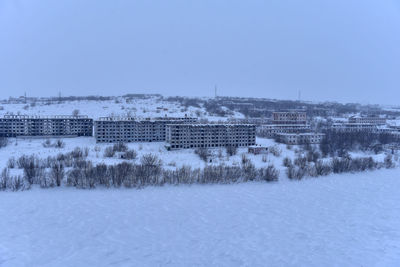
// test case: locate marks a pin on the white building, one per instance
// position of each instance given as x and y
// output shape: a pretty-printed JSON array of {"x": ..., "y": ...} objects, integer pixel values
[
  {"x": 60, "y": 125},
  {"x": 298, "y": 139},
  {"x": 270, "y": 130},
  {"x": 291, "y": 117},
  {"x": 210, "y": 135},
  {"x": 354, "y": 127},
  {"x": 128, "y": 129},
  {"x": 367, "y": 120}
]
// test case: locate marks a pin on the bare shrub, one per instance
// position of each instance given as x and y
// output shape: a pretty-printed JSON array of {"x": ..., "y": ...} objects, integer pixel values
[
  {"x": 120, "y": 147},
  {"x": 109, "y": 152},
  {"x": 33, "y": 168},
  {"x": 149, "y": 169},
  {"x": 203, "y": 153},
  {"x": 3, "y": 142},
  {"x": 73, "y": 177},
  {"x": 17, "y": 183},
  {"x": 231, "y": 150},
  {"x": 295, "y": 172},
  {"x": 130, "y": 154},
  {"x": 388, "y": 162},
  {"x": 275, "y": 150},
  {"x": 78, "y": 153},
  {"x": 264, "y": 158},
  {"x": 47, "y": 181},
  {"x": 57, "y": 173},
  {"x": 313, "y": 155},
  {"x": 11, "y": 163},
  {"x": 249, "y": 171},
  {"x": 287, "y": 162},
  {"x": 59, "y": 144},
  {"x": 301, "y": 161},
  {"x": 244, "y": 159},
  {"x": 172, "y": 164},
  {"x": 86, "y": 152},
  {"x": 322, "y": 169},
  {"x": 100, "y": 171},
  {"x": 47, "y": 143},
  {"x": 269, "y": 174},
  {"x": 4, "y": 178}
]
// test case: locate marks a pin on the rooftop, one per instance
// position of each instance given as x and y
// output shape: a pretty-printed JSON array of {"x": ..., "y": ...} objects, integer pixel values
[{"x": 45, "y": 117}]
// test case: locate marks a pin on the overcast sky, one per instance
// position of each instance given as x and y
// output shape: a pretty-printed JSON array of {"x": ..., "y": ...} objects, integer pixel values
[{"x": 339, "y": 50}]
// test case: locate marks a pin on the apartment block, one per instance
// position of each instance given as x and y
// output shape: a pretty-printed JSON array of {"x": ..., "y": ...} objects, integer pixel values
[
  {"x": 367, "y": 120},
  {"x": 290, "y": 117},
  {"x": 128, "y": 129},
  {"x": 22, "y": 125},
  {"x": 298, "y": 139},
  {"x": 270, "y": 130},
  {"x": 354, "y": 127},
  {"x": 210, "y": 135}
]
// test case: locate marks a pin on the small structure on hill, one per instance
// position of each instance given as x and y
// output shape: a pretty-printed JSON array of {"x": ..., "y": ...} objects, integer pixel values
[{"x": 258, "y": 149}]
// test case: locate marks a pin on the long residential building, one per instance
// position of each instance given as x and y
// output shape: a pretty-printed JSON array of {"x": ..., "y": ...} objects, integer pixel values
[
  {"x": 354, "y": 127},
  {"x": 290, "y": 117},
  {"x": 270, "y": 130},
  {"x": 62, "y": 125},
  {"x": 367, "y": 120},
  {"x": 298, "y": 139},
  {"x": 210, "y": 135},
  {"x": 128, "y": 129}
]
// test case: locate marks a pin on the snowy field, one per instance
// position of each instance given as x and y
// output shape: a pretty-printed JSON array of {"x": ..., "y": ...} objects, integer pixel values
[
  {"x": 121, "y": 106},
  {"x": 170, "y": 159},
  {"x": 346, "y": 220}
]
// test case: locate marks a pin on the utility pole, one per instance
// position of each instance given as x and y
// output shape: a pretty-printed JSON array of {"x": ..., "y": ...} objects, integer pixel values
[
  {"x": 215, "y": 91},
  {"x": 299, "y": 96}
]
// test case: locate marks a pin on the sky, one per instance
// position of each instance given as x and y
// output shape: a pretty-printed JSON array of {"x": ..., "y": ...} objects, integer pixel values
[{"x": 331, "y": 50}]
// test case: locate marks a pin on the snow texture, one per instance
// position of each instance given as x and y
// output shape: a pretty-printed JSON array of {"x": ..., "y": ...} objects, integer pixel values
[{"x": 340, "y": 220}]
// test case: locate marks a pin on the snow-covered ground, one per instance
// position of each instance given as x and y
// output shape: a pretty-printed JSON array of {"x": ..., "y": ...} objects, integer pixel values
[
  {"x": 138, "y": 107},
  {"x": 340, "y": 220},
  {"x": 170, "y": 159}
]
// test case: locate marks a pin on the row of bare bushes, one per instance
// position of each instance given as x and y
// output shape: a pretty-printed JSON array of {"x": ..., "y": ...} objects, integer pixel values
[{"x": 75, "y": 170}]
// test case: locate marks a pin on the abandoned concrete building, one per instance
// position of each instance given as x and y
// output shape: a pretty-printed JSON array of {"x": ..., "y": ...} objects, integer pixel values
[
  {"x": 299, "y": 139},
  {"x": 23, "y": 125},
  {"x": 367, "y": 120},
  {"x": 354, "y": 127},
  {"x": 291, "y": 117},
  {"x": 128, "y": 129},
  {"x": 284, "y": 122},
  {"x": 270, "y": 130},
  {"x": 210, "y": 135}
]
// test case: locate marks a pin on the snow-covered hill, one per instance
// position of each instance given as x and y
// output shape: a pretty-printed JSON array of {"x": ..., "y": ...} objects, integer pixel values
[
  {"x": 119, "y": 106},
  {"x": 341, "y": 220}
]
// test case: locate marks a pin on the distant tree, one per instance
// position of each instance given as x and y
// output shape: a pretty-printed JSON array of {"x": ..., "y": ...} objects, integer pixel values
[
  {"x": 3, "y": 142},
  {"x": 57, "y": 172},
  {"x": 231, "y": 150},
  {"x": 203, "y": 153}
]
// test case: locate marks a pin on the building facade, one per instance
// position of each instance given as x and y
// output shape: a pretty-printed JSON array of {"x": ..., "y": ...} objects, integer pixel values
[
  {"x": 367, "y": 120},
  {"x": 113, "y": 130},
  {"x": 21, "y": 125},
  {"x": 354, "y": 127},
  {"x": 210, "y": 135},
  {"x": 298, "y": 139},
  {"x": 270, "y": 130},
  {"x": 290, "y": 117}
]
